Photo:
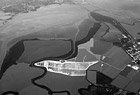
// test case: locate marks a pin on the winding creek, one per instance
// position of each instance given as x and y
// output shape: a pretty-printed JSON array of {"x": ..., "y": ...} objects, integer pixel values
[
  {"x": 71, "y": 54},
  {"x": 91, "y": 33}
]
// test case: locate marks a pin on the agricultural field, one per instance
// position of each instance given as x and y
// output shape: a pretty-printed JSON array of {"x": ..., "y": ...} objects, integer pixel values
[{"x": 69, "y": 47}]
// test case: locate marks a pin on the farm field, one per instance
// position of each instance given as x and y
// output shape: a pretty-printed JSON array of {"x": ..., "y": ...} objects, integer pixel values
[{"x": 75, "y": 34}]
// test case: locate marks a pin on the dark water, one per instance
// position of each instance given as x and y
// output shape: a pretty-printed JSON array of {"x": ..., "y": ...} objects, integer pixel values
[
  {"x": 11, "y": 56},
  {"x": 18, "y": 49},
  {"x": 91, "y": 33}
]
